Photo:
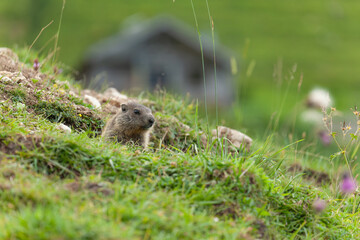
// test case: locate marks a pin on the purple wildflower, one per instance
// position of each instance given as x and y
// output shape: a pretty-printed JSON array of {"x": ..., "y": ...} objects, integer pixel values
[
  {"x": 348, "y": 184},
  {"x": 325, "y": 138},
  {"x": 319, "y": 205},
  {"x": 36, "y": 64},
  {"x": 57, "y": 70}
]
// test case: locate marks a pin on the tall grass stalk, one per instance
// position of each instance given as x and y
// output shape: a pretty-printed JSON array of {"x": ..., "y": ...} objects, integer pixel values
[
  {"x": 32, "y": 44},
  {"x": 203, "y": 67},
  {"x": 197, "y": 123},
  {"x": 291, "y": 77},
  {"x": 58, "y": 31},
  {"x": 275, "y": 118},
  {"x": 46, "y": 44},
  {"x": 296, "y": 100},
  {"x": 214, "y": 50}
]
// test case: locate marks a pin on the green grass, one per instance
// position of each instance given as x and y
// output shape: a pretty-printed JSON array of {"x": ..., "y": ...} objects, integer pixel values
[
  {"x": 320, "y": 36},
  {"x": 55, "y": 185},
  {"x": 17, "y": 95},
  {"x": 56, "y": 112}
]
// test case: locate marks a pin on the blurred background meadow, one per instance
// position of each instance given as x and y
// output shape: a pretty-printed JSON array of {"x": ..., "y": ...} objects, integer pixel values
[{"x": 275, "y": 51}]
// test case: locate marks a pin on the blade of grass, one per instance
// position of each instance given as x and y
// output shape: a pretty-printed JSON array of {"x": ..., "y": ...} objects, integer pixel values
[
  {"x": 203, "y": 67},
  {"x": 32, "y": 44},
  {"x": 214, "y": 52},
  {"x": 58, "y": 31},
  {"x": 277, "y": 152},
  {"x": 297, "y": 231}
]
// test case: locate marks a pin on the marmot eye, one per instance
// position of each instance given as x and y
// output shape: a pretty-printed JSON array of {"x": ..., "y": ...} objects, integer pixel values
[{"x": 136, "y": 111}]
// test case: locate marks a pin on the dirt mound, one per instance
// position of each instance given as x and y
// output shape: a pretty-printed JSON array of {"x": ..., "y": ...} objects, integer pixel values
[
  {"x": 58, "y": 101},
  {"x": 318, "y": 177},
  {"x": 45, "y": 94},
  {"x": 19, "y": 143},
  {"x": 99, "y": 188},
  {"x": 8, "y": 60}
]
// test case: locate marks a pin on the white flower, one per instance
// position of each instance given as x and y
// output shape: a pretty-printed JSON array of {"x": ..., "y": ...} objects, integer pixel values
[
  {"x": 319, "y": 98},
  {"x": 313, "y": 117}
]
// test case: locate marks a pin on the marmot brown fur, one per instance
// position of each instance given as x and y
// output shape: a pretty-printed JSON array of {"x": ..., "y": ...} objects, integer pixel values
[{"x": 131, "y": 124}]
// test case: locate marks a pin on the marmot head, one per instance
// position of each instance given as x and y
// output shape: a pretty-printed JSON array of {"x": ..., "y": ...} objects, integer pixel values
[{"x": 136, "y": 116}]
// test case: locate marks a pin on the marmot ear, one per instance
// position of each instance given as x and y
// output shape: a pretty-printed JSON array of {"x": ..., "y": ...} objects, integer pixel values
[{"x": 124, "y": 107}]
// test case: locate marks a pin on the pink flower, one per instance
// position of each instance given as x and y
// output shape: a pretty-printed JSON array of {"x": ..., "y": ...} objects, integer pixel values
[
  {"x": 319, "y": 205},
  {"x": 348, "y": 184},
  {"x": 36, "y": 64},
  {"x": 325, "y": 138}
]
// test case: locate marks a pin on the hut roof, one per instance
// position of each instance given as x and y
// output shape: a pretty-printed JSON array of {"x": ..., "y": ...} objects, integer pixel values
[{"x": 122, "y": 45}]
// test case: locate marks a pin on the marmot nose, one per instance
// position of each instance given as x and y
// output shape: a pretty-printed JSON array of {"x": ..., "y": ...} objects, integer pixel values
[{"x": 151, "y": 121}]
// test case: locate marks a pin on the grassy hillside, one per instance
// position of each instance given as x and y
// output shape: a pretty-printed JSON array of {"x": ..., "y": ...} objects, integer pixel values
[
  {"x": 56, "y": 185},
  {"x": 321, "y": 37}
]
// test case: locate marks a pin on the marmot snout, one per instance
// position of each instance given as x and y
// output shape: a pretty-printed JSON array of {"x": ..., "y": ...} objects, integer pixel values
[{"x": 132, "y": 123}]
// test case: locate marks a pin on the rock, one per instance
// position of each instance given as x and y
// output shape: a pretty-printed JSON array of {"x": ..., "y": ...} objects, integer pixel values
[
  {"x": 9, "y": 61},
  {"x": 235, "y": 137},
  {"x": 92, "y": 93},
  {"x": 93, "y": 101},
  {"x": 5, "y": 79},
  {"x": 9, "y": 53},
  {"x": 113, "y": 93},
  {"x": 64, "y": 128},
  {"x": 7, "y": 76},
  {"x": 111, "y": 99}
]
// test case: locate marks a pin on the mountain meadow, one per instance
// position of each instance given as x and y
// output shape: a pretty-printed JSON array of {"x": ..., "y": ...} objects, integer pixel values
[{"x": 280, "y": 162}]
